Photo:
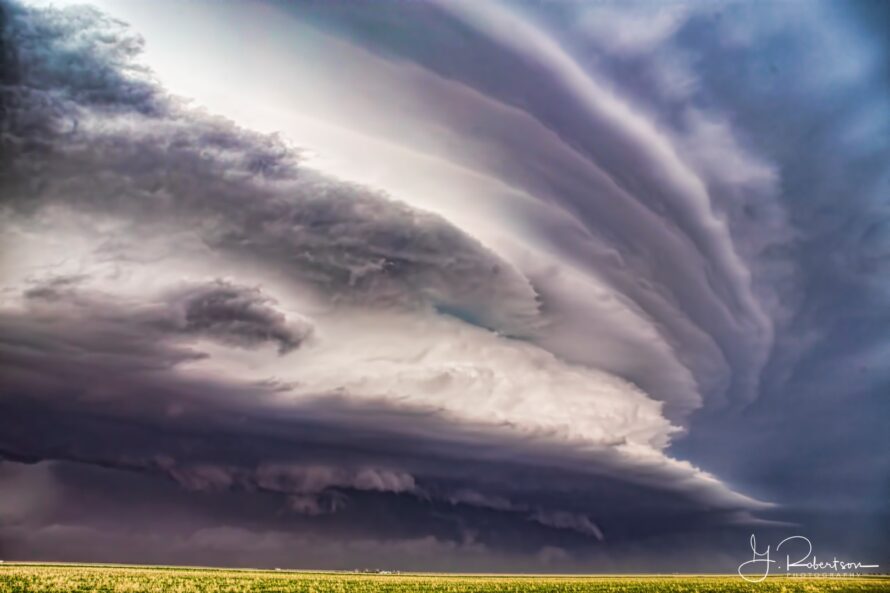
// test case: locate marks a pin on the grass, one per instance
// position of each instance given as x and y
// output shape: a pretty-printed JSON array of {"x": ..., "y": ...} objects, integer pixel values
[{"x": 52, "y": 578}]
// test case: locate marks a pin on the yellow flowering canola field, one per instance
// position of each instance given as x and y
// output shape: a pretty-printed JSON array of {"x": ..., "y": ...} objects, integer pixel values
[{"x": 52, "y": 578}]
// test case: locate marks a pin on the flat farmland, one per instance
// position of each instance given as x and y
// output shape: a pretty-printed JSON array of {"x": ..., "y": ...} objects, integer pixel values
[{"x": 52, "y": 578}]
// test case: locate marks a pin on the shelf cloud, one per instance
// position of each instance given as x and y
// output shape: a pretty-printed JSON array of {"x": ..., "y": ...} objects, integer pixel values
[{"x": 544, "y": 284}]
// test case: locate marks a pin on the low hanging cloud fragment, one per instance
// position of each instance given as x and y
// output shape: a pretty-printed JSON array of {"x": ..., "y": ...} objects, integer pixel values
[
  {"x": 235, "y": 315},
  {"x": 219, "y": 310}
]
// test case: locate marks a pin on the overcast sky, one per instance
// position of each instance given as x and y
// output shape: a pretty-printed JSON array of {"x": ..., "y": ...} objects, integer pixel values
[{"x": 444, "y": 285}]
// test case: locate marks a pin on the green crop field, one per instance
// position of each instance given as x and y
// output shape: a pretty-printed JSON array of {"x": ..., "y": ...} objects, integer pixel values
[{"x": 132, "y": 579}]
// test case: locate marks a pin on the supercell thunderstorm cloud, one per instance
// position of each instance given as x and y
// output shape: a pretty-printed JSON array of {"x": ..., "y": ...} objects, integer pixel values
[{"x": 444, "y": 285}]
